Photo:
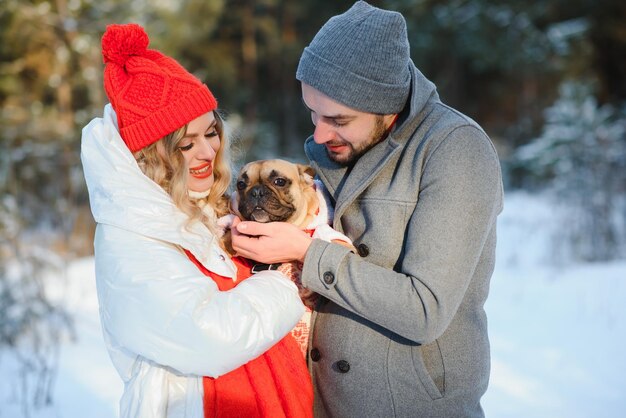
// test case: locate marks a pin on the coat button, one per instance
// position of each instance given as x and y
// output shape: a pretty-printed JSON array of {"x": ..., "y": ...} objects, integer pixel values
[
  {"x": 329, "y": 278},
  {"x": 363, "y": 250},
  {"x": 343, "y": 366},
  {"x": 315, "y": 354}
]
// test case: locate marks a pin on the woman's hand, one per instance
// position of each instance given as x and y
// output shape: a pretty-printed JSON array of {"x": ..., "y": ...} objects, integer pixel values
[
  {"x": 273, "y": 242},
  {"x": 293, "y": 271}
]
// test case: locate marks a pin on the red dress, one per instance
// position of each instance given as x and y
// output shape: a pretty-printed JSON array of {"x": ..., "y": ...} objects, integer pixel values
[{"x": 274, "y": 385}]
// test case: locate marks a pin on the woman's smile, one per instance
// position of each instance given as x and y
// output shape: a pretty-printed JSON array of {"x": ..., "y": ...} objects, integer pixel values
[{"x": 202, "y": 171}]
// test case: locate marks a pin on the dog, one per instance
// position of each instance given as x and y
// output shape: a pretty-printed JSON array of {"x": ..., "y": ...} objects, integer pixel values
[
  {"x": 276, "y": 191},
  {"x": 281, "y": 191},
  {"x": 273, "y": 191}
]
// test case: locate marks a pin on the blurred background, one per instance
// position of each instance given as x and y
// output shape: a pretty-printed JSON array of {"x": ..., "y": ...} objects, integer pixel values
[{"x": 546, "y": 79}]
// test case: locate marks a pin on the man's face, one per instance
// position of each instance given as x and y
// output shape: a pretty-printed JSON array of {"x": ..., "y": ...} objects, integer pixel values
[{"x": 346, "y": 133}]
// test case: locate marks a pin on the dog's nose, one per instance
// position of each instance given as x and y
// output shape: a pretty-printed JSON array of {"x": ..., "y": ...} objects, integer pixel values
[{"x": 257, "y": 191}]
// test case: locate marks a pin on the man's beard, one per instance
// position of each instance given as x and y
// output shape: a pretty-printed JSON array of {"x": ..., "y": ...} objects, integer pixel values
[{"x": 377, "y": 134}]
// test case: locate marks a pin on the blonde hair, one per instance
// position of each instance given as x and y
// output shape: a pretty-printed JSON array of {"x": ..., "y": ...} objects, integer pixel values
[{"x": 169, "y": 170}]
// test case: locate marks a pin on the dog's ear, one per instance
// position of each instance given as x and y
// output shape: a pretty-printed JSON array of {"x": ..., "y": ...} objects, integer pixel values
[
  {"x": 234, "y": 204},
  {"x": 306, "y": 172}
]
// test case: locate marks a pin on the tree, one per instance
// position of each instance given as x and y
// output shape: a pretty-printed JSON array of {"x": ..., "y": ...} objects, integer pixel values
[
  {"x": 47, "y": 73},
  {"x": 581, "y": 155}
]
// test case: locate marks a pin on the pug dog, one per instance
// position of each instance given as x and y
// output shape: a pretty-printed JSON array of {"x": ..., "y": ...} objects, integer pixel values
[
  {"x": 272, "y": 191},
  {"x": 276, "y": 191},
  {"x": 281, "y": 191}
]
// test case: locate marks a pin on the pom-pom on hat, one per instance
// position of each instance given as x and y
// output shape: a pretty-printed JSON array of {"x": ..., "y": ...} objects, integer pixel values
[
  {"x": 361, "y": 59},
  {"x": 151, "y": 93}
]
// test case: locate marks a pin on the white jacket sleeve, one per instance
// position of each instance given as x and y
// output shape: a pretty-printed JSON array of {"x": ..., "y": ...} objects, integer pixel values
[{"x": 156, "y": 303}]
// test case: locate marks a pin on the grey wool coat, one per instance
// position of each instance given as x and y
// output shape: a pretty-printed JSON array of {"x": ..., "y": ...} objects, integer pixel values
[{"x": 400, "y": 330}]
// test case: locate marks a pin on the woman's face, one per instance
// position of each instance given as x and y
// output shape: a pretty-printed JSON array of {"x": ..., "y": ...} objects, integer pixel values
[{"x": 199, "y": 147}]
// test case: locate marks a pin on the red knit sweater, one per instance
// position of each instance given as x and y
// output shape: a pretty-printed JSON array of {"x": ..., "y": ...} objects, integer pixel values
[{"x": 274, "y": 385}]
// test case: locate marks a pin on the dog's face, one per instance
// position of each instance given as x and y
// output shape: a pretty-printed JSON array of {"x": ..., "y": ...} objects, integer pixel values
[{"x": 275, "y": 191}]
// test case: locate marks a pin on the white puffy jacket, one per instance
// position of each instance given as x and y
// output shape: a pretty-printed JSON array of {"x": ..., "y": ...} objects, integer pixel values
[{"x": 165, "y": 324}]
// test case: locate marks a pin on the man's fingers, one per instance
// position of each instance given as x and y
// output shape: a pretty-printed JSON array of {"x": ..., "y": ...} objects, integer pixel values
[
  {"x": 253, "y": 228},
  {"x": 265, "y": 242},
  {"x": 244, "y": 245}
]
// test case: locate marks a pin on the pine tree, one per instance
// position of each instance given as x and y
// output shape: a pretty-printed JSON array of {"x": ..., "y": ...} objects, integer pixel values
[{"x": 581, "y": 155}]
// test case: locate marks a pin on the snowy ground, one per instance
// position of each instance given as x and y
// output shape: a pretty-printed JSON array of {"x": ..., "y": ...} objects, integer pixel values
[{"x": 557, "y": 333}]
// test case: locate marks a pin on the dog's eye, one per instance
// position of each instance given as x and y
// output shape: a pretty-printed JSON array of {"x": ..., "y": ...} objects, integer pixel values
[
  {"x": 241, "y": 185},
  {"x": 280, "y": 182}
]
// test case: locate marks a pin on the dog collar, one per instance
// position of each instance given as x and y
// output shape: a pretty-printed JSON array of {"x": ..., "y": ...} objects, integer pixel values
[{"x": 262, "y": 266}]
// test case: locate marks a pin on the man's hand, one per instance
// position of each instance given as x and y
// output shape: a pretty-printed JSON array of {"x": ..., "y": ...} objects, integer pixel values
[{"x": 273, "y": 242}]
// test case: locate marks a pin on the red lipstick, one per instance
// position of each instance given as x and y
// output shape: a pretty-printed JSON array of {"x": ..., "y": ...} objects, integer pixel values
[{"x": 202, "y": 171}]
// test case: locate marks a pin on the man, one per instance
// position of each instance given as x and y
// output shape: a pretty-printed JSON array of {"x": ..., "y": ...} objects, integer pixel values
[{"x": 400, "y": 329}]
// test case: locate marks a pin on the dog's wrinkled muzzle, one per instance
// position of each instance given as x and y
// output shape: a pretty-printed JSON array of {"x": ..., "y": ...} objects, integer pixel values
[{"x": 260, "y": 204}]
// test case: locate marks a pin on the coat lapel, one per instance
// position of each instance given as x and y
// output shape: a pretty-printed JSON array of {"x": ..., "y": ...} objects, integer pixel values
[
  {"x": 343, "y": 187},
  {"x": 331, "y": 173},
  {"x": 364, "y": 172}
]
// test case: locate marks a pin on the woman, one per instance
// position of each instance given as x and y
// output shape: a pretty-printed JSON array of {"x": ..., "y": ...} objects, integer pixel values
[{"x": 157, "y": 172}]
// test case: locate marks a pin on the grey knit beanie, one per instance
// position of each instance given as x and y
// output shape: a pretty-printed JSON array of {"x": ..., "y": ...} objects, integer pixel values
[{"x": 361, "y": 59}]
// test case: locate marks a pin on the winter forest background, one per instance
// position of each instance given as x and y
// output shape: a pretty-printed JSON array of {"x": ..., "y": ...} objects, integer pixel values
[{"x": 546, "y": 79}]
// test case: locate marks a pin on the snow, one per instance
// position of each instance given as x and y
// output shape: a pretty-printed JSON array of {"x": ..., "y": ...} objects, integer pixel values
[{"x": 557, "y": 329}]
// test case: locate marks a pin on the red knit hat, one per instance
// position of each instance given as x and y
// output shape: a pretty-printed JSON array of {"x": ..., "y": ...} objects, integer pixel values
[{"x": 152, "y": 94}]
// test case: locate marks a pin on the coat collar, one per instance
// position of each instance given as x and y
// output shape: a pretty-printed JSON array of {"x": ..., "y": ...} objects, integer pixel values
[{"x": 344, "y": 187}]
